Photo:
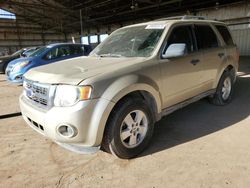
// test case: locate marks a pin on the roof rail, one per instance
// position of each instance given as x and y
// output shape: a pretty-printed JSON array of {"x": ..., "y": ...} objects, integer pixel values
[{"x": 185, "y": 17}]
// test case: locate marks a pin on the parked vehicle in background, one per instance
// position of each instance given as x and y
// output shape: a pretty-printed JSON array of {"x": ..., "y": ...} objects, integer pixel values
[
  {"x": 45, "y": 55},
  {"x": 4, "y": 60},
  {"x": 137, "y": 75}
]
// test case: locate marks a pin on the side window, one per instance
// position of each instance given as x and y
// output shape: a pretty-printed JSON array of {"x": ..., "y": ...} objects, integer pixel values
[
  {"x": 225, "y": 34},
  {"x": 58, "y": 52},
  {"x": 75, "y": 50},
  {"x": 51, "y": 54},
  {"x": 180, "y": 35},
  {"x": 205, "y": 36},
  {"x": 63, "y": 51}
]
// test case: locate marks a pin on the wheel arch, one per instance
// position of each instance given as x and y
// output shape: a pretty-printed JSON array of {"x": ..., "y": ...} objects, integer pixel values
[
  {"x": 226, "y": 67},
  {"x": 140, "y": 86},
  {"x": 128, "y": 86}
]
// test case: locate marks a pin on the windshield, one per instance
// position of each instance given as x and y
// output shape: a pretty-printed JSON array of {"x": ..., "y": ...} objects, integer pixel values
[
  {"x": 28, "y": 52},
  {"x": 38, "y": 52},
  {"x": 18, "y": 52},
  {"x": 138, "y": 41}
]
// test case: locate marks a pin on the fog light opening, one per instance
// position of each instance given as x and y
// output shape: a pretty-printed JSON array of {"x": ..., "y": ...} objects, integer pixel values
[
  {"x": 18, "y": 78},
  {"x": 67, "y": 131}
]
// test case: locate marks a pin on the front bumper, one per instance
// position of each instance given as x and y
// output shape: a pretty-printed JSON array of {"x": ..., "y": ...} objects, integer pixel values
[
  {"x": 15, "y": 77},
  {"x": 87, "y": 117}
]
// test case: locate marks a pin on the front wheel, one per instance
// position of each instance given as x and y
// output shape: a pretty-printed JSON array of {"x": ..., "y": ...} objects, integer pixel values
[
  {"x": 224, "y": 90},
  {"x": 129, "y": 128},
  {"x": 5, "y": 67}
]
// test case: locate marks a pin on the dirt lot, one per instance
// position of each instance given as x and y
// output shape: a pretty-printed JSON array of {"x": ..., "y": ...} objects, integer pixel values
[{"x": 199, "y": 146}]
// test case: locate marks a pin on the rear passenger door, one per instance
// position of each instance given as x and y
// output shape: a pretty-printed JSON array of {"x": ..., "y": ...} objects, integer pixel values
[
  {"x": 213, "y": 54},
  {"x": 229, "y": 45},
  {"x": 181, "y": 75}
]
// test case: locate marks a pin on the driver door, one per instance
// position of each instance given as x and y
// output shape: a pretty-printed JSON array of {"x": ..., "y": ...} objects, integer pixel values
[{"x": 181, "y": 75}]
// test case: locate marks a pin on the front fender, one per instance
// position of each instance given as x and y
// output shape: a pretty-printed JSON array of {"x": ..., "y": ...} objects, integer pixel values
[
  {"x": 130, "y": 83},
  {"x": 114, "y": 92}
]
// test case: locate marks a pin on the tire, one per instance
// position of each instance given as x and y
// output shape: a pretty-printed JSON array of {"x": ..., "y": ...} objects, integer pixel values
[
  {"x": 125, "y": 137},
  {"x": 5, "y": 67},
  {"x": 224, "y": 90}
]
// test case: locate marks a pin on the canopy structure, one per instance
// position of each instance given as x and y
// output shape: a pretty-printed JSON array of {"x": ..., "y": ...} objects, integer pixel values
[{"x": 69, "y": 16}]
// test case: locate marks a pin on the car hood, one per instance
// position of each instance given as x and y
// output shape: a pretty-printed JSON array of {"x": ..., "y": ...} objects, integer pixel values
[
  {"x": 21, "y": 59},
  {"x": 7, "y": 58},
  {"x": 76, "y": 70}
]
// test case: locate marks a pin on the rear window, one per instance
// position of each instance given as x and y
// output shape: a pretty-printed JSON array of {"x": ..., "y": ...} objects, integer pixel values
[
  {"x": 225, "y": 34},
  {"x": 206, "y": 38}
]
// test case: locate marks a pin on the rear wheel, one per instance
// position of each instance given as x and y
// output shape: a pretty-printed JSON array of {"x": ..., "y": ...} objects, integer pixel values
[
  {"x": 129, "y": 128},
  {"x": 224, "y": 90}
]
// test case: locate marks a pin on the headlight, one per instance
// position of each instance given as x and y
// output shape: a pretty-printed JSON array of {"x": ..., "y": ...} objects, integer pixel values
[
  {"x": 67, "y": 95},
  {"x": 1, "y": 61},
  {"x": 18, "y": 66}
]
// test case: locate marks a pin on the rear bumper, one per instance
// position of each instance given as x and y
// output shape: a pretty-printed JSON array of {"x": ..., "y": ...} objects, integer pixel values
[{"x": 88, "y": 118}]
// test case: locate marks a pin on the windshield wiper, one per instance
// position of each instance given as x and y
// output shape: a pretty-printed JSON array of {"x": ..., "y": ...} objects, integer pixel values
[{"x": 110, "y": 55}]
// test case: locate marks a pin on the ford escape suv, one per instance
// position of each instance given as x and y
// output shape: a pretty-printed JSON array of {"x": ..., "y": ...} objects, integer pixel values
[{"x": 112, "y": 98}]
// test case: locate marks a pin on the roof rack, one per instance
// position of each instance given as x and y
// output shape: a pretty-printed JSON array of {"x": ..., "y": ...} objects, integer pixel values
[{"x": 185, "y": 17}]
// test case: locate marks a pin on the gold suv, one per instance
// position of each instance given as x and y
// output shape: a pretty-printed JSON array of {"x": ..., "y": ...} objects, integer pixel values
[{"x": 112, "y": 98}]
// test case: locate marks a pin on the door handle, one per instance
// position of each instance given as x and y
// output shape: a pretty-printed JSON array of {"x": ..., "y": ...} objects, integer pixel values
[
  {"x": 220, "y": 55},
  {"x": 194, "y": 61}
]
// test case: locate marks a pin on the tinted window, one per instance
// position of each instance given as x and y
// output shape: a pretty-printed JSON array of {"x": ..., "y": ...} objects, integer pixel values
[
  {"x": 39, "y": 52},
  {"x": 63, "y": 51},
  {"x": 181, "y": 34},
  {"x": 77, "y": 50},
  {"x": 58, "y": 52},
  {"x": 205, "y": 37},
  {"x": 225, "y": 34}
]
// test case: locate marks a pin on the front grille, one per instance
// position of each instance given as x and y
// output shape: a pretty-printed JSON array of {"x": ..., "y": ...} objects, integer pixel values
[{"x": 40, "y": 94}]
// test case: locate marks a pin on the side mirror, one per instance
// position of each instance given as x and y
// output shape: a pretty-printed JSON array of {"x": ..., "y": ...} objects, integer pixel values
[{"x": 175, "y": 50}]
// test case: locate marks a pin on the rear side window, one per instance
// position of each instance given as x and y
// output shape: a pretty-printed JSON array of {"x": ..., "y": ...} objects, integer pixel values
[
  {"x": 225, "y": 34},
  {"x": 205, "y": 36},
  {"x": 181, "y": 34},
  {"x": 75, "y": 50}
]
